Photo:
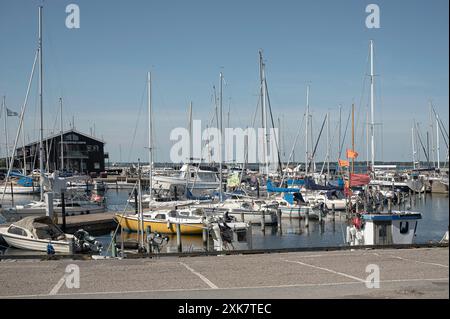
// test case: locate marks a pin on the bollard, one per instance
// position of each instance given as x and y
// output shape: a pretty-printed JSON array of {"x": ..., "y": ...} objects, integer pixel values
[
  {"x": 399, "y": 201},
  {"x": 307, "y": 217},
  {"x": 242, "y": 216},
  {"x": 175, "y": 193},
  {"x": 333, "y": 211},
  {"x": 389, "y": 205},
  {"x": 279, "y": 220},
  {"x": 179, "y": 245},
  {"x": 263, "y": 221}
]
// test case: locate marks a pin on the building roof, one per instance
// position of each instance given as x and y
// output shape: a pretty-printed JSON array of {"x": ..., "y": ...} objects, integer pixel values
[{"x": 65, "y": 132}]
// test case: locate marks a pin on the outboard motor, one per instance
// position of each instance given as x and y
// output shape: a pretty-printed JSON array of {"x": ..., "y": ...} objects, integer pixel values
[
  {"x": 157, "y": 241},
  {"x": 86, "y": 243},
  {"x": 226, "y": 232}
]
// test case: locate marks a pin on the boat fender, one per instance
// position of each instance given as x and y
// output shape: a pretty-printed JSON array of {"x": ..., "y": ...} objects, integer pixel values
[
  {"x": 168, "y": 224},
  {"x": 348, "y": 238},
  {"x": 50, "y": 249},
  {"x": 359, "y": 237}
]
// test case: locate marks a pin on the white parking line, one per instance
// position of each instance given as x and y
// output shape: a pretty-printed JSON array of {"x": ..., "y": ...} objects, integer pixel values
[
  {"x": 219, "y": 289},
  {"x": 205, "y": 280},
  {"x": 421, "y": 262},
  {"x": 58, "y": 285},
  {"x": 326, "y": 269}
]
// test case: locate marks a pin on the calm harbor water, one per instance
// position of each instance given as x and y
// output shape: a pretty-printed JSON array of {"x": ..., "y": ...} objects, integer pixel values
[
  {"x": 434, "y": 223},
  {"x": 294, "y": 234}
]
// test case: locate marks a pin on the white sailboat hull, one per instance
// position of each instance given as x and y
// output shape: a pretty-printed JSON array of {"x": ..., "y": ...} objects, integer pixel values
[{"x": 16, "y": 241}]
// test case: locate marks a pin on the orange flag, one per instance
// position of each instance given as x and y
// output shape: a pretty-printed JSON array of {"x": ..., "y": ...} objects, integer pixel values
[
  {"x": 343, "y": 163},
  {"x": 351, "y": 154}
]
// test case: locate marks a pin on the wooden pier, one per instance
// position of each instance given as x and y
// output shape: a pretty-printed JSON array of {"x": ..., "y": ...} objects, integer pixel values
[{"x": 95, "y": 224}]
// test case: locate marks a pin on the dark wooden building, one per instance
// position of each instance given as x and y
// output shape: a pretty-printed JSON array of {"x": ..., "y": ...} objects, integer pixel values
[{"x": 82, "y": 153}]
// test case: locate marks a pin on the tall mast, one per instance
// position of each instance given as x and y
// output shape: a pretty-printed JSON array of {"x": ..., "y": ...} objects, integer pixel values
[
  {"x": 433, "y": 149},
  {"x": 61, "y": 132},
  {"x": 372, "y": 76},
  {"x": 306, "y": 132},
  {"x": 437, "y": 142},
  {"x": 150, "y": 155},
  {"x": 328, "y": 144},
  {"x": 5, "y": 113},
  {"x": 367, "y": 139},
  {"x": 263, "y": 105},
  {"x": 191, "y": 138},
  {"x": 266, "y": 135},
  {"x": 413, "y": 147},
  {"x": 353, "y": 136},
  {"x": 221, "y": 136},
  {"x": 339, "y": 133},
  {"x": 23, "y": 150},
  {"x": 41, "y": 130}
]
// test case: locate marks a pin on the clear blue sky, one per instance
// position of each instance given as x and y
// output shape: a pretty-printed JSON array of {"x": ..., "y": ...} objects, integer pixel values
[{"x": 100, "y": 69}]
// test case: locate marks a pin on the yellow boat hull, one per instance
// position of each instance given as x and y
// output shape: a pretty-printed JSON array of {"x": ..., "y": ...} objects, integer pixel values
[{"x": 132, "y": 223}]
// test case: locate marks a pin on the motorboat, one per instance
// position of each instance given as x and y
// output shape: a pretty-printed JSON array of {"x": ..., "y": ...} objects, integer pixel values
[
  {"x": 37, "y": 233},
  {"x": 396, "y": 228},
  {"x": 190, "y": 176},
  {"x": 40, "y": 233}
]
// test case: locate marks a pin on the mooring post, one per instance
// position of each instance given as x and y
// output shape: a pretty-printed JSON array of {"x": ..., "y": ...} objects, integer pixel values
[
  {"x": 205, "y": 237},
  {"x": 307, "y": 217},
  {"x": 242, "y": 216},
  {"x": 404, "y": 200},
  {"x": 250, "y": 237},
  {"x": 149, "y": 246},
  {"x": 179, "y": 245},
  {"x": 113, "y": 245},
  {"x": 263, "y": 221},
  {"x": 136, "y": 205},
  {"x": 333, "y": 211},
  {"x": 257, "y": 188},
  {"x": 175, "y": 193},
  {"x": 410, "y": 198},
  {"x": 122, "y": 254},
  {"x": 279, "y": 220},
  {"x": 399, "y": 201},
  {"x": 12, "y": 194},
  {"x": 63, "y": 212},
  {"x": 390, "y": 205}
]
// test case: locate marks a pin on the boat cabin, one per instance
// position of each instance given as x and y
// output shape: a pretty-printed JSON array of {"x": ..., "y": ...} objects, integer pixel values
[{"x": 387, "y": 229}]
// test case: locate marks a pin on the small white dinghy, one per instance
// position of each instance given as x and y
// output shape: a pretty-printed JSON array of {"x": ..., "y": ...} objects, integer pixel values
[{"x": 36, "y": 233}]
